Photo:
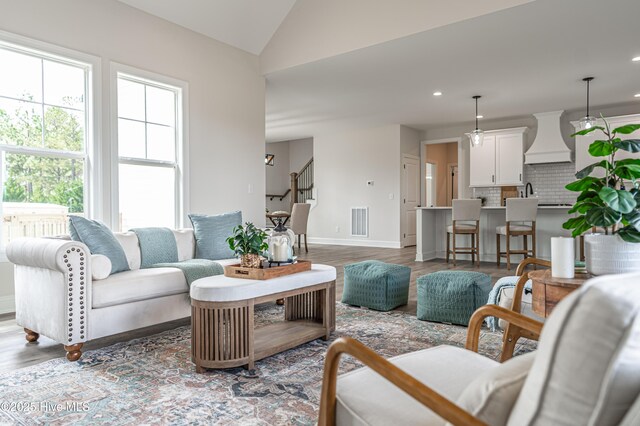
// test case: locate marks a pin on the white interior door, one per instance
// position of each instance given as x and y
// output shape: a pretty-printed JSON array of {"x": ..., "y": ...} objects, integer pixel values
[{"x": 410, "y": 198}]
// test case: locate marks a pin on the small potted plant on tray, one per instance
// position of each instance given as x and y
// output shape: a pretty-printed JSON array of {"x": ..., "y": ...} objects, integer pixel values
[
  {"x": 609, "y": 199},
  {"x": 248, "y": 242}
]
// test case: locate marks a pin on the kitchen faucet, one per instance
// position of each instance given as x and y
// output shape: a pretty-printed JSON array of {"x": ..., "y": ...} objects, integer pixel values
[{"x": 526, "y": 189}]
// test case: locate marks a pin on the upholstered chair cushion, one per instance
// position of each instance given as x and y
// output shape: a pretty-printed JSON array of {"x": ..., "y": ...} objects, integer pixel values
[
  {"x": 632, "y": 417},
  {"x": 100, "y": 267},
  {"x": 461, "y": 227},
  {"x": 100, "y": 240},
  {"x": 366, "y": 398},
  {"x": 212, "y": 232},
  {"x": 587, "y": 368},
  {"x": 521, "y": 209},
  {"x": 299, "y": 218},
  {"x": 492, "y": 395},
  {"x": 502, "y": 230},
  {"x": 466, "y": 209}
]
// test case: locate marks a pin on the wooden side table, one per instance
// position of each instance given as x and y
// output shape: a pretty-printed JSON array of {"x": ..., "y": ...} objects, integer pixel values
[{"x": 548, "y": 290}]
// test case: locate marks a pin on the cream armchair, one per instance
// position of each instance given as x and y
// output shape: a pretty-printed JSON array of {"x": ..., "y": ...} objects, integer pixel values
[{"x": 586, "y": 371}]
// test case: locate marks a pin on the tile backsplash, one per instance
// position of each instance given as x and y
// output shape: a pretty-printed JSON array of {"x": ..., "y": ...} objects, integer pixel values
[{"x": 548, "y": 181}]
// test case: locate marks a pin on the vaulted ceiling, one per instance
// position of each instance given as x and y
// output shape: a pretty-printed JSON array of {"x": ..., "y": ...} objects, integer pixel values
[
  {"x": 338, "y": 64},
  {"x": 245, "y": 24}
]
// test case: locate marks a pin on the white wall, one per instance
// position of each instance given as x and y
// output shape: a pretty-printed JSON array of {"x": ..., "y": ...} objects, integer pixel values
[
  {"x": 226, "y": 93},
  {"x": 300, "y": 152},
  {"x": 344, "y": 162},
  {"x": 314, "y": 30}
]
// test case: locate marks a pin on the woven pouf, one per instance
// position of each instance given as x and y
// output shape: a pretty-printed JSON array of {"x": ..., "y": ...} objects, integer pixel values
[
  {"x": 376, "y": 285},
  {"x": 452, "y": 296}
]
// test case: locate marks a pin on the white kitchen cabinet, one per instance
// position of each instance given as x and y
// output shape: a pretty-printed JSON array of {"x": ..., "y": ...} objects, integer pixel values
[
  {"x": 500, "y": 160},
  {"x": 509, "y": 159},
  {"x": 483, "y": 163},
  {"x": 583, "y": 158}
]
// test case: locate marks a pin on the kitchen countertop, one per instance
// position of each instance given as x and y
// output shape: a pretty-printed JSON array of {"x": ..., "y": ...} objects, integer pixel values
[{"x": 497, "y": 208}]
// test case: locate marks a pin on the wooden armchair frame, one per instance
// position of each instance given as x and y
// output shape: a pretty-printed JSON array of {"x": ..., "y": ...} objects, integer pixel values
[
  {"x": 514, "y": 332},
  {"x": 416, "y": 389}
]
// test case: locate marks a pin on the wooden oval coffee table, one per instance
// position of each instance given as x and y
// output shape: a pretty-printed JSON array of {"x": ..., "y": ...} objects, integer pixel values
[
  {"x": 548, "y": 290},
  {"x": 223, "y": 334}
]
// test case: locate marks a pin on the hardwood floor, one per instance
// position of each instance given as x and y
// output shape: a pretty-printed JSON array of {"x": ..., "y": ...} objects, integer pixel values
[{"x": 16, "y": 353}]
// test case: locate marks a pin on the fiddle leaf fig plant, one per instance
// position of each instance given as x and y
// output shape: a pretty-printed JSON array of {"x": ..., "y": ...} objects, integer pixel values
[
  {"x": 605, "y": 201},
  {"x": 248, "y": 239}
]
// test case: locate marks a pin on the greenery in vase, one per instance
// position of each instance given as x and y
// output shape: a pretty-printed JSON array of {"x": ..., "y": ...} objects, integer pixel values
[
  {"x": 605, "y": 201},
  {"x": 247, "y": 239}
]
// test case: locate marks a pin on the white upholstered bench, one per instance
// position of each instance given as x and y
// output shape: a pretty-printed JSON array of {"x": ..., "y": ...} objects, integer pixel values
[{"x": 222, "y": 316}]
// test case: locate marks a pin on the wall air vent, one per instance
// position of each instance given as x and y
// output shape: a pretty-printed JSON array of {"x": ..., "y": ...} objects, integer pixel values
[{"x": 360, "y": 221}]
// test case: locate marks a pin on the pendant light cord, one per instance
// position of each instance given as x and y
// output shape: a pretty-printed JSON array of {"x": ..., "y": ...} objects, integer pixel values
[
  {"x": 588, "y": 81},
  {"x": 476, "y": 113}
]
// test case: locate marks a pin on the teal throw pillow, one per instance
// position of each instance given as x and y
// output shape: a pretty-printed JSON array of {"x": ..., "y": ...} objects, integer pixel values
[
  {"x": 100, "y": 240},
  {"x": 211, "y": 234}
]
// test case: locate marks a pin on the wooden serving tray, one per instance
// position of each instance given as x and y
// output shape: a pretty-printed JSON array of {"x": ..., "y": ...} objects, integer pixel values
[{"x": 237, "y": 271}]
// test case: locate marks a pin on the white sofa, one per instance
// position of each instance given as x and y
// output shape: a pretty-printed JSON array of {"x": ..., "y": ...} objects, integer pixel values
[{"x": 57, "y": 297}]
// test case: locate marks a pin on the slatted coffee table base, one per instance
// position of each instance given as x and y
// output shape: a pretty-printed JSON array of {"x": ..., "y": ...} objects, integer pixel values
[{"x": 223, "y": 333}]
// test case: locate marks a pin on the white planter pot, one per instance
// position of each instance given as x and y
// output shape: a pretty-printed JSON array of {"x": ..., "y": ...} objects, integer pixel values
[{"x": 610, "y": 254}]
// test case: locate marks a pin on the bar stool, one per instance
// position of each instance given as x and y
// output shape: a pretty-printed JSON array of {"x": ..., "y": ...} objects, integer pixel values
[
  {"x": 518, "y": 210},
  {"x": 465, "y": 211}
]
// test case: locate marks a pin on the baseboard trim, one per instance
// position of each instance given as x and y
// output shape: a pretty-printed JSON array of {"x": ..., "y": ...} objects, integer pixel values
[
  {"x": 357, "y": 243},
  {"x": 429, "y": 255},
  {"x": 7, "y": 304}
]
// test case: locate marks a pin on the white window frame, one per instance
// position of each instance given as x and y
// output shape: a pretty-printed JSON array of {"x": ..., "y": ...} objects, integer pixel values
[
  {"x": 181, "y": 88},
  {"x": 92, "y": 165}
]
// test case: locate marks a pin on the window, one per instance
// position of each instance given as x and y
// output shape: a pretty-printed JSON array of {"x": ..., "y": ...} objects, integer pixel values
[
  {"x": 149, "y": 153},
  {"x": 44, "y": 121}
]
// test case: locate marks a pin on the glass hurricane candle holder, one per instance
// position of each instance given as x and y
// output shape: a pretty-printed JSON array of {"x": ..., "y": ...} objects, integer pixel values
[{"x": 280, "y": 245}]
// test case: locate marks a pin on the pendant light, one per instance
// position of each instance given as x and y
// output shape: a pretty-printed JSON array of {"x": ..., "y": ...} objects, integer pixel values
[
  {"x": 587, "y": 121},
  {"x": 477, "y": 136}
]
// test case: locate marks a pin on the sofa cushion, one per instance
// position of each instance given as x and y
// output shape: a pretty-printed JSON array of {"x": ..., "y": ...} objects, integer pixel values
[
  {"x": 129, "y": 242},
  {"x": 143, "y": 284},
  {"x": 492, "y": 395},
  {"x": 186, "y": 244},
  {"x": 212, "y": 232},
  {"x": 100, "y": 240},
  {"x": 587, "y": 367},
  {"x": 366, "y": 398},
  {"x": 100, "y": 267}
]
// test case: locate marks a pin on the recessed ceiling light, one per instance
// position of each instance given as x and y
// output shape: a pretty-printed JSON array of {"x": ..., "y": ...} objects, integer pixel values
[
  {"x": 437, "y": 93},
  {"x": 636, "y": 59},
  {"x": 637, "y": 95},
  {"x": 479, "y": 116}
]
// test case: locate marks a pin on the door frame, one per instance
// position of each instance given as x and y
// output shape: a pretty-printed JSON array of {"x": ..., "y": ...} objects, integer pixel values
[
  {"x": 463, "y": 174},
  {"x": 403, "y": 224}
]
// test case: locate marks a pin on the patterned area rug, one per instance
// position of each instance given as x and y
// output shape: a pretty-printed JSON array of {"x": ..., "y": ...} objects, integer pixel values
[{"x": 152, "y": 380}]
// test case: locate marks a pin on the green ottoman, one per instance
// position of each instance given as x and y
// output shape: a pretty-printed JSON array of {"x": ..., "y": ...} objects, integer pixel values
[
  {"x": 452, "y": 296},
  {"x": 376, "y": 285}
]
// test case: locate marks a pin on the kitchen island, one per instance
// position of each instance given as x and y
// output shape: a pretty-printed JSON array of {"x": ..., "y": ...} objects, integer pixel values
[{"x": 432, "y": 222}]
